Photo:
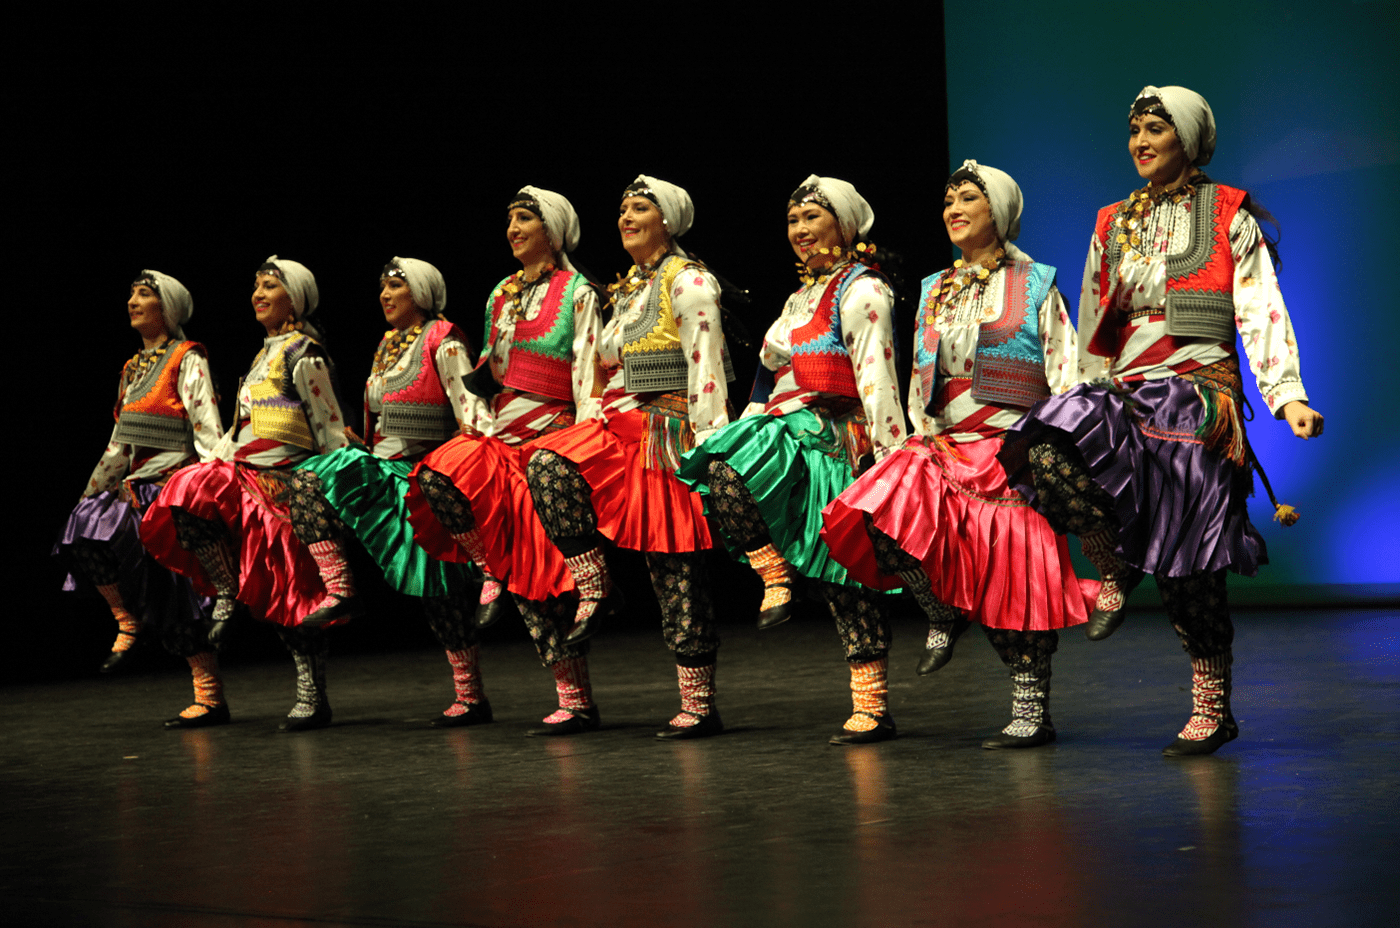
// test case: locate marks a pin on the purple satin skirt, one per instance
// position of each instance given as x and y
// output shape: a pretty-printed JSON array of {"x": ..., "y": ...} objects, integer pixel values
[
  {"x": 1181, "y": 507},
  {"x": 156, "y": 596}
]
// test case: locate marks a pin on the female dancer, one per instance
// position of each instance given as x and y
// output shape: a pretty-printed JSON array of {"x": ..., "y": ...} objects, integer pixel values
[
  {"x": 666, "y": 372},
  {"x": 167, "y": 414},
  {"x": 1147, "y": 460},
  {"x": 824, "y": 400},
  {"x": 992, "y": 338},
  {"x": 415, "y": 399},
  {"x": 536, "y": 375},
  {"x": 225, "y": 523}
]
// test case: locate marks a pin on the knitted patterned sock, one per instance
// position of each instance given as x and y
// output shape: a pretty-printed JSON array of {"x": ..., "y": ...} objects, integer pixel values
[
  {"x": 1118, "y": 578},
  {"x": 466, "y": 680},
  {"x": 335, "y": 573},
  {"x": 217, "y": 562},
  {"x": 869, "y": 690},
  {"x": 941, "y": 616},
  {"x": 127, "y": 624},
  {"x": 1210, "y": 696},
  {"x": 470, "y": 542},
  {"x": 308, "y": 694},
  {"x": 574, "y": 688},
  {"x": 697, "y": 685},
  {"x": 1030, "y": 700},
  {"x": 590, "y": 572},
  {"x": 776, "y": 574},
  {"x": 208, "y": 688}
]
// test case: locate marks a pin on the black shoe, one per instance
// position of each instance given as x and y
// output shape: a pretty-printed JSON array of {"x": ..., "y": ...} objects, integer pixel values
[
  {"x": 580, "y": 721},
  {"x": 344, "y": 607},
  {"x": 217, "y": 715},
  {"x": 488, "y": 614},
  {"x": 707, "y": 726},
  {"x": 1102, "y": 624},
  {"x": 935, "y": 658},
  {"x": 321, "y": 718},
  {"x": 1003, "y": 741},
  {"x": 614, "y": 603},
  {"x": 478, "y": 713},
  {"x": 1225, "y": 732},
  {"x": 779, "y": 613},
  {"x": 884, "y": 730},
  {"x": 118, "y": 659}
]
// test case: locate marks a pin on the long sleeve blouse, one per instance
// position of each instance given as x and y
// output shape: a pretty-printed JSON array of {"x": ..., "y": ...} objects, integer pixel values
[
  {"x": 516, "y": 417},
  {"x": 311, "y": 378},
  {"x": 957, "y": 416},
  {"x": 867, "y": 327},
  {"x": 695, "y": 306},
  {"x": 121, "y": 461},
  {"x": 1147, "y": 352},
  {"x": 452, "y": 361}
]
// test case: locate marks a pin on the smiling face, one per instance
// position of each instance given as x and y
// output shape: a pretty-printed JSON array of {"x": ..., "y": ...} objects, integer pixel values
[
  {"x": 1156, "y": 150},
  {"x": 272, "y": 303},
  {"x": 397, "y": 299},
  {"x": 810, "y": 229},
  {"x": 967, "y": 215},
  {"x": 644, "y": 234},
  {"x": 144, "y": 309},
  {"x": 528, "y": 237}
]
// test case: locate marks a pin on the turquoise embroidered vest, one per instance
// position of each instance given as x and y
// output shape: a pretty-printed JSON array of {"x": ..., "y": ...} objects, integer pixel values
[{"x": 1010, "y": 366}]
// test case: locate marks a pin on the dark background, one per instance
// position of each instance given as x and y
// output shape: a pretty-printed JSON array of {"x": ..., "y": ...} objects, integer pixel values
[{"x": 199, "y": 143}]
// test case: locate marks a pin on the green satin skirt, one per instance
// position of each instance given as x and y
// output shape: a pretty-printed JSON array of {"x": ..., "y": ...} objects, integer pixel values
[
  {"x": 367, "y": 493},
  {"x": 793, "y": 465}
]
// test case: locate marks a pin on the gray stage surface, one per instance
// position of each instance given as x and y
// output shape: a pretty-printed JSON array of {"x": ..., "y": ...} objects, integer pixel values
[{"x": 381, "y": 820}]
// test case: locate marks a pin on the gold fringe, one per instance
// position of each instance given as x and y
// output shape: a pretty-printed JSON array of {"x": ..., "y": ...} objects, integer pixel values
[{"x": 1286, "y": 515}]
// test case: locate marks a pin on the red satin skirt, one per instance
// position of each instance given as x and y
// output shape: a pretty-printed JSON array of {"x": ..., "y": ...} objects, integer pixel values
[
  {"x": 985, "y": 550},
  {"x": 277, "y": 578},
  {"x": 491, "y": 475},
  {"x": 638, "y": 507}
]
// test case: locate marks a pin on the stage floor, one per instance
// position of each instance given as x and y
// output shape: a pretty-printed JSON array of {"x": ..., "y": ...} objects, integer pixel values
[{"x": 381, "y": 820}]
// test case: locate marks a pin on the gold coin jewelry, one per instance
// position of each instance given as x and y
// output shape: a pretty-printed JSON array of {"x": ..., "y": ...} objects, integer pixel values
[{"x": 392, "y": 348}]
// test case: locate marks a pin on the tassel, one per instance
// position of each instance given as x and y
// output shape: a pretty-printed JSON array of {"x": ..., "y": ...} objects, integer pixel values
[
  {"x": 1222, "y": 430},
  {"x": 1284, "y": 514},
  {"x": 666, "y": 439}
]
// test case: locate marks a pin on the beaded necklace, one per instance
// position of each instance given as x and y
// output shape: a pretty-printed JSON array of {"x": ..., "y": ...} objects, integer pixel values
[
  {"x": 863, "y": 251},
  {"x": 635, "y": 279},
  {"x": 1134, "y": 210},
  {"x": 517, "y": 286},
  {"x": 965, "y": 274},
  {"x": 143, "y": 360},
  {"x": 396, "y": 341}
]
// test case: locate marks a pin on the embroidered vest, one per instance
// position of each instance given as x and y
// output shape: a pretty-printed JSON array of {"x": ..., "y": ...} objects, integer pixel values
[
  {"x": 1200, "y": 279},
  {"x": 653, "y": 360},
  {"x": 415, "y": 405},
  {"x": 152, "y": 415},
  {"x": 275, "y": 410},
  {"x": 820, "y": 360},
  {"x": 542, "y": 348},
  {"x": 1009, "y": 369}
]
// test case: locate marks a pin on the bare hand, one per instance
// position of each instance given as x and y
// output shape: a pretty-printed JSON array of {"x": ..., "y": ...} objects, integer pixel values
[{"x": 1302, "y": 419}]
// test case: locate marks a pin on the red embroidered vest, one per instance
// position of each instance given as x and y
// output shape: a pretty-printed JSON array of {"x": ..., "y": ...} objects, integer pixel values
[
  {"x": 415, "y": 405},
  {"x": 1200, "y": 280}
]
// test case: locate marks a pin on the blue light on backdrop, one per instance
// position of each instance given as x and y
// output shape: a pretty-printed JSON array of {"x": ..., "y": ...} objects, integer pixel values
[{"x": 1042, "y": 91}]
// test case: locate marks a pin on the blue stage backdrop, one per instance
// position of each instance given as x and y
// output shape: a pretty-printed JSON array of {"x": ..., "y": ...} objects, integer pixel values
[{"x": 1308, "y": 120}]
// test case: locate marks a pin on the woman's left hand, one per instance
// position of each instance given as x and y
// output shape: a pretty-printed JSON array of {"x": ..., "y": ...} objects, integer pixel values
[{"x": 1302, "y": 419}]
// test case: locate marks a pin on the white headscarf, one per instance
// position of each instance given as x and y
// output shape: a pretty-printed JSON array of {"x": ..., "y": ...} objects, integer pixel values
[
  {"x": 560, "y": 220},
  {"x": 677, "y": 210},
  {"x": 1190, "y": 114},
  {"x": 176, "y": 304},
  {"x": 1004, "y": 195},
  {"x": 852, "y": 212},
  {"x": 301, "y": 286},
  {"x": 424, "y": 282}
]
